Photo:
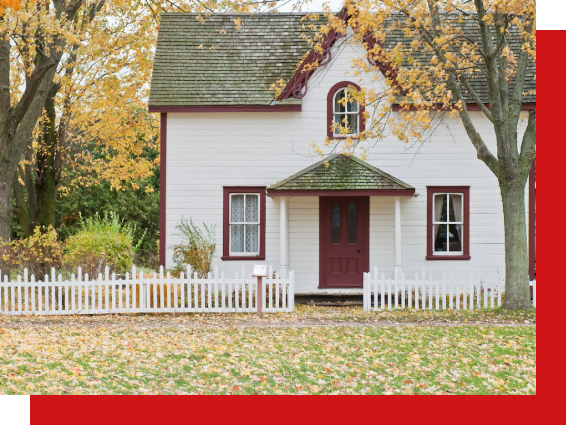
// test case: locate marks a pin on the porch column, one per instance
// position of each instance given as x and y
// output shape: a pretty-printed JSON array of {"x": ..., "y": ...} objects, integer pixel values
[
  {"x": 284, "y": 236},
  {"x": 397, "y": 236}
]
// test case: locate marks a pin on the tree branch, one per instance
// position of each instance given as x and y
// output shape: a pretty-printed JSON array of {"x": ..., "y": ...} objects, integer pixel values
[
  {"x": 483, "y": 152},
  {"x": 475, "y": 96}
]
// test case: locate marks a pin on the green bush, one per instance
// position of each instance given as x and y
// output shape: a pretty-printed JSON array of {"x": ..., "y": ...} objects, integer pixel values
[
  {"x": 196, "y": 248},
  {"x": 102, "y": 241}
]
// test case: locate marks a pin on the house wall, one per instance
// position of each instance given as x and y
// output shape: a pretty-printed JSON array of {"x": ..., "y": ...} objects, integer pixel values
[{"x": 206, "y": 151}]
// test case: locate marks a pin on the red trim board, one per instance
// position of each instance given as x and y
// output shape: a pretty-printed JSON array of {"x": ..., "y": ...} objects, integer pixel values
[
  {"x": 361, "y": 192},
  {"x": 163, "y": 189},
  {"x": 227, "y": 108}
]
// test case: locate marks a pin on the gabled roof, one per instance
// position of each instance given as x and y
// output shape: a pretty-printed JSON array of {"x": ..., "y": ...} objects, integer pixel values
[
  {"x": 211, "y": 63},
  {"x": 342, "y": 173}
]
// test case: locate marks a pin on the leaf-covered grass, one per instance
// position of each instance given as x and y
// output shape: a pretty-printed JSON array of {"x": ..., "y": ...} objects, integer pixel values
[
  {"x": 170, "y": 354},
  {"x": 425, "y": 360},
  {"x": 304, "y": 314}
]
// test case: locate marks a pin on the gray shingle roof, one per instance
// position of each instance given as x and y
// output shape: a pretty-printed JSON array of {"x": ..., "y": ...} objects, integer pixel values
[
  {"x": 471, "y": 30},
  {"x": 240, "y": 69},
  {"x": 342, "y": 173},
  {"x": 245, "y": 63}
]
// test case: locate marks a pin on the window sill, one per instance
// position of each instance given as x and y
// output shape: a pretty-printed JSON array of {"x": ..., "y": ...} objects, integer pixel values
[
  {"x": 352, "y": 136},
  {"x": 245, "y": 258},
  {"x": 448, "y": 257}
]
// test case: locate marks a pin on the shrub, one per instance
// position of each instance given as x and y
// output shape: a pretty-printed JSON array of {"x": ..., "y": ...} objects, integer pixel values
[
  {"x": 102, "y": 241},
  {"x": 38, "y": 253},
  {"x": 196, "y": 249}
]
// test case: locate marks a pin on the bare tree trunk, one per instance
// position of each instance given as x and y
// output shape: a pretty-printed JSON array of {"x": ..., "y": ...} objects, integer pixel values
[{"x": 517, "y": 293}]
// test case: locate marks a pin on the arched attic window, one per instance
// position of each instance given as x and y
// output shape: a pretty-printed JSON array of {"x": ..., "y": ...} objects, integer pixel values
[{"x": 343, "y": 109}]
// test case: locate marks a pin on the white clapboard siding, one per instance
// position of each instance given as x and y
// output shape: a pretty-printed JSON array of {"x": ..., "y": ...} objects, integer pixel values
[
  {"x": 145, "y": 293},
  {"x": 426, "y": 293}
]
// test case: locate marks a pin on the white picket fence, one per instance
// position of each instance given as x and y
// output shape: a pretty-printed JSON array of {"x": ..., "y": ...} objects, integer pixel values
[
  {"x": 143, "y": 293},
  {"x": 421, "y": 293}
]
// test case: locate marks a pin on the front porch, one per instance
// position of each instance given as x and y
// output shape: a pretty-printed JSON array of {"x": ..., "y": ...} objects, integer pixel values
[{"x": 343, "y": 186}]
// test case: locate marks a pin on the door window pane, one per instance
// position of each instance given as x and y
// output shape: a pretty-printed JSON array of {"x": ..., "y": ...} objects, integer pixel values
[
  {"x": 336, "y": 222},
  {"x": 352, "y": 231}
]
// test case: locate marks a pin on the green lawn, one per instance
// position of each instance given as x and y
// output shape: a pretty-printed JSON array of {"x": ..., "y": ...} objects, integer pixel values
[{"x": 136, "y": 356}]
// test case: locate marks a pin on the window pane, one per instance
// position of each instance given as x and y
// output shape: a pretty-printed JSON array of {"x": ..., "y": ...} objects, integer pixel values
[
  {"x": 440, "y": 237},
  {"x": 353, "y": 123},
  {"x": 336, "y": 222},
  {"x": 252, "y": 214},
  {"x": 352, "y": 105},
  {"x": 440, "y": 208},
  {"x": 352, "y": 236},
  {"x": 339, "y": 120},
  {"x": 252, "y": 237},
  {"x": 237, "y": 237},
  {"x": 338, "y": 105},
  {"x": 237, "y": 206},
  {"x": 456, "y": 208},
  {"x": 455, "y": 236}
]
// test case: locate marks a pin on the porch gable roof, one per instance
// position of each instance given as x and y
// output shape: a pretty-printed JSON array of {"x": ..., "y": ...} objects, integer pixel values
[{"x": 344, "y": 174}]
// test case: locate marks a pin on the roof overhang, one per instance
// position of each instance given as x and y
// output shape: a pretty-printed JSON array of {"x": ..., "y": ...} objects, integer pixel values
[
  {"x": 228, "y": 108},
  {"x": 360, "y": 192}
]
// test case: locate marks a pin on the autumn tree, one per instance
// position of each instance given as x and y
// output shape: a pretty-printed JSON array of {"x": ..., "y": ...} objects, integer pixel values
[
  {"x": 443, "y": 49},
  {"x": 35, "y": 35},
  {"x": 94, "y": 123}
]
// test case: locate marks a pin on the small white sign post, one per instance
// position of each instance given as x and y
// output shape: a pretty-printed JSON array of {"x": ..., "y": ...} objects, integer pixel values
[{"x": 259, "y": 271}]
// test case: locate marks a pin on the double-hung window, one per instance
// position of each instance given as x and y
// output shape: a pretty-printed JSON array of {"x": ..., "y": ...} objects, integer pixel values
[
  {"x": 448, "y": 223},
  {"x": 244, "y": 223},
  {"x": 346, "y": 113}
]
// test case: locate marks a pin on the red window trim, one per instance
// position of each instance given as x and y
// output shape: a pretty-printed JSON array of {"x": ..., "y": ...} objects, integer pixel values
[
  {"x": 430, "y": 228},
  {"x": 226, "y": 222},
  {"x": 330, "y": 112}
]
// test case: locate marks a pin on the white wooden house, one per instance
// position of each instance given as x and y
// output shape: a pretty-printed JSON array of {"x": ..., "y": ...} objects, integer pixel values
[{"x": 235, "y": 157}]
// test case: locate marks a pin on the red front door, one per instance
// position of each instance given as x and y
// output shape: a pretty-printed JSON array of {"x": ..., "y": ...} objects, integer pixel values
[{"x": 344, "y": 241}]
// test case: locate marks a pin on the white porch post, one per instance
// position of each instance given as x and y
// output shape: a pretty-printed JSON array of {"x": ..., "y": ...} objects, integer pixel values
[
  {"x": 284, "y": 230},
  {"x": 397, "y": 236}
]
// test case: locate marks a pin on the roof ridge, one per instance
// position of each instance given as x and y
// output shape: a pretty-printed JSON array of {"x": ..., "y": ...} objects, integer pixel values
[{"x": 305, "y": 170}]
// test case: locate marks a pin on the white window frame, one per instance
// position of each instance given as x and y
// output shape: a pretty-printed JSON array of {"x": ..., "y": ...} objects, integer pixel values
[
  {"x": 448, "y": 222},
  {"x": 230, "y": 223},
  {"x": 336, "y": 131}
]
